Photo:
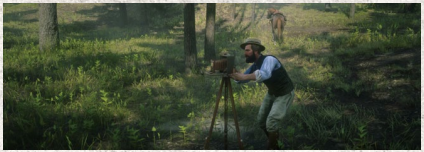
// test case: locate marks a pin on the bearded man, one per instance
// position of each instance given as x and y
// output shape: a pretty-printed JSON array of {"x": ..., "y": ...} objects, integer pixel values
[{"x": 270, "y": 71}]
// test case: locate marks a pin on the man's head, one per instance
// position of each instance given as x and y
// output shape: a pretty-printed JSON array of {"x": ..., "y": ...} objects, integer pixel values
[{"x": 252, "y": 49}]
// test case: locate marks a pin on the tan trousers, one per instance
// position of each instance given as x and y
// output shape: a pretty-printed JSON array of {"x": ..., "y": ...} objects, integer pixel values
[{"x": 273, "y": 110}]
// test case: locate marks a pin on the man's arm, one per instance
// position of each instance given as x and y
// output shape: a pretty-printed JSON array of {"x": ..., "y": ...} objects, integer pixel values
[
  {"x": 243, "y": 77},
  {"x": 238, "y": 73},
  {"x": 269, "y": 64}
]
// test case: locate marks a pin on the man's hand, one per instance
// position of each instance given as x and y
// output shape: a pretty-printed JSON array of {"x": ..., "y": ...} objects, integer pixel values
[{"x": 237, "y": 76}]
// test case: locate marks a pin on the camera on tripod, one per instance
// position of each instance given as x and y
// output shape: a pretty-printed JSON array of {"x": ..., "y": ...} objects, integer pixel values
[{"x": 223, "y": 65}]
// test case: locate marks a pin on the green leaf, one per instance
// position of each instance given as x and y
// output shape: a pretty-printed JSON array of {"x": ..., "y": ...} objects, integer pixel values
[
  {"x": 190, "y": 115},
  {"x": 41, "y": 120},
  {"x": 69, "y": 142},
  {"x": 361, "y": 128},
  {"x": 362, "y": 135},
  {"x": 153, "y": 129}
]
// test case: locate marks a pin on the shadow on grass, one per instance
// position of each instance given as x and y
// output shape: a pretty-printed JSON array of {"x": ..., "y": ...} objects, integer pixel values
[
  {"x": 175, "y": 97},
  {"x": 367, "y": 99},
  {"x": 19, "y": 16}
]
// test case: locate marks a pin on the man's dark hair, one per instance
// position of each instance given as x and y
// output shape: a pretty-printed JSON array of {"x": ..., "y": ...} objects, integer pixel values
[{"x": 255, "y": 47}]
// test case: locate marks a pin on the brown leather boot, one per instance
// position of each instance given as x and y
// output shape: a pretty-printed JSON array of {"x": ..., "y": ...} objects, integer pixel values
[{"x": 273, "y": 141}]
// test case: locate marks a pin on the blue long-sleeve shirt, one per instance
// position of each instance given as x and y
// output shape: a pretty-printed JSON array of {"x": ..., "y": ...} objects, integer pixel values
[{"x": 270, "y": 64}]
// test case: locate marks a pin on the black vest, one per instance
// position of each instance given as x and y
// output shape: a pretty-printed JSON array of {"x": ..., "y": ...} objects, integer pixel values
[{"x": 279, "y": 83}]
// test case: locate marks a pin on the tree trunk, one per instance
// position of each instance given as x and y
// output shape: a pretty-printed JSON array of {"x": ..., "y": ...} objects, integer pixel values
[
  {"x": 352, "y": 10},
  {"x": 253, "y": 12},
  {"x": 189, "y": 38},
  {"x": 144, "y": 22},
  {"x": 233, "y": 11},
  {"x": 48, "y": 27},
  {"x": 123, "y": 14},
  {"x": 210, "y": 32}
]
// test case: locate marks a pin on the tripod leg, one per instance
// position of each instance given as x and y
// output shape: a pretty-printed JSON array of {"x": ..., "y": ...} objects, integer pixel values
[
  {"x": 225, "y": 113},
  {"x": 235, "y": 114},
  {"x": 214, "y": 114}
]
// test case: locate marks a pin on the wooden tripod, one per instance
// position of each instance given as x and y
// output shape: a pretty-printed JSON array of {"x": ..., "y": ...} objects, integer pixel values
[{"x": 228, "y": 91}]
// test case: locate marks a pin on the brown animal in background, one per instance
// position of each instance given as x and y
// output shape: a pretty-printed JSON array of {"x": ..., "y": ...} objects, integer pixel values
[{"x": 278, "y": 21}]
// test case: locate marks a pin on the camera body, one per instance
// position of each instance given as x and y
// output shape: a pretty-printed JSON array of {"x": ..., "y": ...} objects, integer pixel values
[{"x": 223, "y": 65}]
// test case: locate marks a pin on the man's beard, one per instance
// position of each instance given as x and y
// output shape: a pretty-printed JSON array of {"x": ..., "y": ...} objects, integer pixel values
[{"x": 251, "y": 59}]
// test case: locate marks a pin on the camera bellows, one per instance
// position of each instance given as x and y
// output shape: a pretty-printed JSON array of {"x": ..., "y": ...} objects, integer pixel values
[{"x": 219, "y": 65}]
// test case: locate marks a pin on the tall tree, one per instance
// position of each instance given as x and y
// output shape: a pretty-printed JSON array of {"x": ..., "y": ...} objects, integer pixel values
[
  {"x": 210, "y": 32},
  {"x": 352, "y": 10},
  {"x": 189, "y": 38},
  {"x": 144, "y": 22},
  {"x": 123, "y": 14},
  {"x": 48, "y": 37},
  {"x": 253, "y": 12},
  {"x": 233, "y": 11}
]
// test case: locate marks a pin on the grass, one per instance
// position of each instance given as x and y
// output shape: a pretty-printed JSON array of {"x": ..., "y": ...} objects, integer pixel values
[{"x": 123, "y": 88}]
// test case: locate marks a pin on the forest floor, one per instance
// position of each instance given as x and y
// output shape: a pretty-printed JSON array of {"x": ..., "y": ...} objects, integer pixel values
[
  {"x": 113, "y": 86},
  {"x": 383, "y": 101}
]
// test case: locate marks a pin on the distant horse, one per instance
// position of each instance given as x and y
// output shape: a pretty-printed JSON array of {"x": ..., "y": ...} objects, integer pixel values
[{"x": 278, "y": 21}]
